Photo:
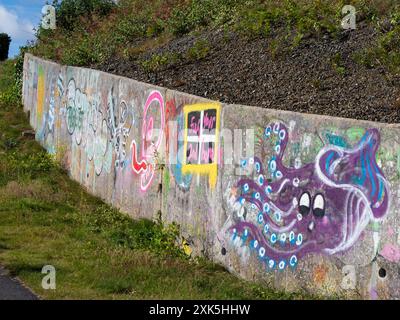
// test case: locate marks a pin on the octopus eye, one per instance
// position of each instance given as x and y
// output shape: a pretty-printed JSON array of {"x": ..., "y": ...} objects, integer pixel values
[
  {"x": 305, "y": 204},
  {"x": 319, "y": 206}
]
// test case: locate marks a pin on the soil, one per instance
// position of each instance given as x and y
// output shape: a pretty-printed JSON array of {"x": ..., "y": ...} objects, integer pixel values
[{"x": 303, "y": 79}]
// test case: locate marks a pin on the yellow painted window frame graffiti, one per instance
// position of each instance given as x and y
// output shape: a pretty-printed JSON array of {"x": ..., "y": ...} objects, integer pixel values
[{"x": 210, "y": 169}]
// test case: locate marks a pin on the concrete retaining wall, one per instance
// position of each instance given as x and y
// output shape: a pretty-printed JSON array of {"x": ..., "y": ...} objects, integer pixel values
[{"x": 293, "y": 200}]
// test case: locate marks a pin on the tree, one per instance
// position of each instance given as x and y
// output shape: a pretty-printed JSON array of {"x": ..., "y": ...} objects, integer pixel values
[
  {"x": 5, "y": 41},
  {"x": 69, "y": 11}
]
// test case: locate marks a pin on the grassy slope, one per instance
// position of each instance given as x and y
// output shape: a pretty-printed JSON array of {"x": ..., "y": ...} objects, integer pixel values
[{"x": 99, "y": 253}]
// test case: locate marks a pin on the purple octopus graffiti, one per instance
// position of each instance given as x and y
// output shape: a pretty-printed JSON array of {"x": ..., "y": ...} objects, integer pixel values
[{"x": 284, "y": 213}]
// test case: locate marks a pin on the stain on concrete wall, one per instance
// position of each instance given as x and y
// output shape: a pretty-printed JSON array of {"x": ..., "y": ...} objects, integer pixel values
[{"x": 289, "y": 199}]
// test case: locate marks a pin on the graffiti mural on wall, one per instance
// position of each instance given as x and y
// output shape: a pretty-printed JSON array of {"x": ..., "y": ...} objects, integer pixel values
[
  {"x": 104, "y": 132},
  {"x": 120, "y": 122},
  {"x": 201, "y": 140},
  {"x": 174, "y": 138},
  {"x": 76, "y": 104},
  {"x": 47, "y": 120},
  {"x": 144, "y": 164},
  {"x": 87, "y": 124},
  {"x": 284, "y": 213}
]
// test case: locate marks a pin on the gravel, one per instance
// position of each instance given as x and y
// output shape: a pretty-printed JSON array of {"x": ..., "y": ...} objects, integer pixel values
[{"x": 304, "y": 79}]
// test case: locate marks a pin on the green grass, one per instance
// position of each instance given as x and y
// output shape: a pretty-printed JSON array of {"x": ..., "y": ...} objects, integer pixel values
[{"x": 98, "y": 252}]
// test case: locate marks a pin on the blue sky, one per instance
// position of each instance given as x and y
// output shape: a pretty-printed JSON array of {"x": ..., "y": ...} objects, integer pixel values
[{"x": 18, "y": 18}]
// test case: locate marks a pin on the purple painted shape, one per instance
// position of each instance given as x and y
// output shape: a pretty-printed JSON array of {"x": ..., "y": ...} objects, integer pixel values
[
  {"x": 323, "y": 206},
  {"x": 374, "y": 294},
  {"x": 391, "y": 252}
]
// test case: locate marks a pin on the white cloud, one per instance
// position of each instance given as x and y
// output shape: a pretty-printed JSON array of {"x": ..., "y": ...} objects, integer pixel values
[{"x": 17, "y": 28}]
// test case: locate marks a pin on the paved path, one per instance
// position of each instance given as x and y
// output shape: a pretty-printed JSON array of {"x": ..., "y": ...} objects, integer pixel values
[{"x": 11, "y": 289}]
